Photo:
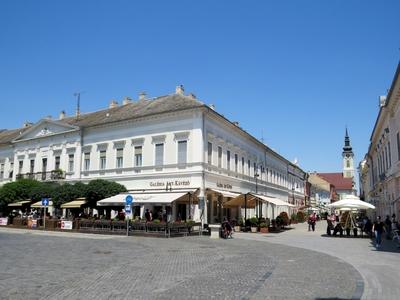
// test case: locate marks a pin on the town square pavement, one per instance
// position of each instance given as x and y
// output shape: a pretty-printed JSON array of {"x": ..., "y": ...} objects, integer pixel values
[
  {"x": 58, "y": 265},
  {"x": 379, "y": 268}
]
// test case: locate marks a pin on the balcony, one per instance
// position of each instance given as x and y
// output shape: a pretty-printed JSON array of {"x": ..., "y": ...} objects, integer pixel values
[{"x": 44, "y": 176}]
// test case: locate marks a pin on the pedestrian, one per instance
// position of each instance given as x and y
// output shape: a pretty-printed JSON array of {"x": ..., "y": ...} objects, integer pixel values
[
  {"x": 331, "y": 220},
  {"x": 312, "y": 220},
  {"x": 378, "y": 228},
  {"x": 147, "y": 215},
  {"x": 394, "y": 223},
  {"x": 388, "y": 227}
]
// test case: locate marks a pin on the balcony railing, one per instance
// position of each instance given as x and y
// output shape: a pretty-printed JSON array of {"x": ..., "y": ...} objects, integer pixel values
[{"x": 43, "y": 176}]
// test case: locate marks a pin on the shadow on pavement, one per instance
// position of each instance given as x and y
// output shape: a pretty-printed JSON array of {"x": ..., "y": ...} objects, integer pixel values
[{"x": 386, "y": 246}]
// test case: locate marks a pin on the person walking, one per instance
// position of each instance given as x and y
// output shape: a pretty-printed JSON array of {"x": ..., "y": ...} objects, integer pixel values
[
  {"x": 311, "y": 221},
  {"x": 378, "y": 229},
  {"x": 388, "y": 227}
]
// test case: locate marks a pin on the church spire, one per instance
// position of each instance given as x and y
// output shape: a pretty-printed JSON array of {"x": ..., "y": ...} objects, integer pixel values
[
  {"x": 347, "y": 147},
  {"x": 348, "y": 158}
]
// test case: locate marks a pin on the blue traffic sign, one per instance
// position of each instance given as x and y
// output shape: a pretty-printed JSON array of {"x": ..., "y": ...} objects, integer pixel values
[
  {"x": 128, "y": 209},
  {"x": 128, "y": 200},
  {"x": 45, "y": 201}
]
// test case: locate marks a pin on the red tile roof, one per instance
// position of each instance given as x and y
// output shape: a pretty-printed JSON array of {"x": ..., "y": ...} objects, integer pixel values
[{"x": 338, "y": 180}]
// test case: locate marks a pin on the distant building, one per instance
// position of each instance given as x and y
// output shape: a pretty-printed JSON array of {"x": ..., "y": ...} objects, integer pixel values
[
  {"x": 321, "y": 191},
  {"x": 380, "y": 169}
]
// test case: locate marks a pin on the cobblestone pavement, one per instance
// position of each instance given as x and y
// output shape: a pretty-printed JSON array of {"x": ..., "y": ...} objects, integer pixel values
[
  {"x": 379, "y": 269},
  {"x": 52, "y": 265}
]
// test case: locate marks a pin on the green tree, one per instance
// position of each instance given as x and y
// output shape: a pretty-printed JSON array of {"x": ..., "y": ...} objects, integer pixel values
[
  {"x": 99, "y": 189},
  {"x": 16, "y": 191}
]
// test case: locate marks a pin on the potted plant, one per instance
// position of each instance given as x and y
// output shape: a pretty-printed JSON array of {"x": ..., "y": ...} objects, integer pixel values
[
  {"x": 263, "y": 227},
  {"x": 239, "y": 225},
  {"x": 254, "y": 224},
  {"x": 284, "y": 219}
]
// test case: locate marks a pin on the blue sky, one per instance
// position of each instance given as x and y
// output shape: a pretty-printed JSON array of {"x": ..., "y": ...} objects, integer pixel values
[{"x": 294, "y": 72}]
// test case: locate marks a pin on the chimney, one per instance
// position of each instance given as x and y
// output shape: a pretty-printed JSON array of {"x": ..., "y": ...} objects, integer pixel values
[
  {"x": 212, "y": 106},
  {"x": 26, "y": 124},
  {"x": 142, "y": 96},
  {"x": 236, "y": 123},
  {"x": 62, "y": 115},
  {"x": 113, "y": 104},
  {"x": 382, "y": 101},
  {"x": 191, "y": 95},
  {"x": 179, "y": 90},
  {"x": 126, "y": 101}
]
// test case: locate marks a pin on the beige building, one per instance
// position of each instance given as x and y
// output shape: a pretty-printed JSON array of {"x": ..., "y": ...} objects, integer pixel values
[{"x": 380, "y": 169}]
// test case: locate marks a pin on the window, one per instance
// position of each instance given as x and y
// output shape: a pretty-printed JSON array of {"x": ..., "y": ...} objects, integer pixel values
[
  {"x": 44, "y": 165},
  {"x": 1, "y": 171},
  {"x": 209, "y": 153},
  {"x": 120, "y": 158},
  {"x": 347, "y": 163},
  {"x": 219, "y": 157},
  {"x": 70, "y": 163},
  {"x": 32, "y": 166},
  {"x": 390, "y": 155},
  {"x": 182, "y": 152},
  {"x": 138, "y": 156},
  {"x": 254, "y": 168},
  {"x": 398, "y": 146},
  {"x": 248, "y": 167},
  {"x": 386, "y": 158},
  {"x": 20, "y": 166},
  {"x": 86, "y": 161},
  {"x": 228, "y": 160},
  {"x": 103, "y": 160},
  {"x": 242, "y": 165},
  {"x": 11, "y": 172},
  {"x": 159, "y": 161},
  {"x": 57, "y": 163},
  {"x": 236, "y": 163}
]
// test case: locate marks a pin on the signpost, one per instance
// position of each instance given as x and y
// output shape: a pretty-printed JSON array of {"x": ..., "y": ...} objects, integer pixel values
[
  {"x": 128, "y": 210},
  {"x": 45, "y": 203}
]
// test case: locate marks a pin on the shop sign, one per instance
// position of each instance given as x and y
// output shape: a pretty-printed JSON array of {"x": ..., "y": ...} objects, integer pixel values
[
  {"x": 3, "y": 221},
  {"x": 170, "y": 183},
  {"x": 66, "y": 225},
  {"x": 224, "y": 185},
  {"x": 34, "y": 224}
]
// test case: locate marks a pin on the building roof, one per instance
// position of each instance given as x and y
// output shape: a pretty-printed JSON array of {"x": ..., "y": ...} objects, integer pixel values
[
  {"x": 338, "y": 180},
  {"x": 134, "y": 110}
]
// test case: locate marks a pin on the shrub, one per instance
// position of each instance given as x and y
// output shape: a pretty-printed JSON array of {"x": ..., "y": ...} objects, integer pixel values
[
  {"x": 279, "y": 221},
  {"x": 156, "y": 221},
  {"x": 254, "y": 221},
  {"x": 300, "y": 216},
  {"x": 285, "y": 218},
  {"x": 293, "y": 217},
  {"x": 263, "y": 225}
]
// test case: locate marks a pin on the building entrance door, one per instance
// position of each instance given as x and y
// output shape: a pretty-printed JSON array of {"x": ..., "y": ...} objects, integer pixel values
[{"x": 181, "y": 211}]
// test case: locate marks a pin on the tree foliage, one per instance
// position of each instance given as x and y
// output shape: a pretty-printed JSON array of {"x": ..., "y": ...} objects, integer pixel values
[
  {"x": 99, "y": 189},
  {"x": 24, "y": 189}
]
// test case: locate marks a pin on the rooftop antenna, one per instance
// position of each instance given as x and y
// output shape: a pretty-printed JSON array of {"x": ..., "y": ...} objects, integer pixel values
[
  {"x": 262, "y": 136},
  {"x": 78, "y": 103}
]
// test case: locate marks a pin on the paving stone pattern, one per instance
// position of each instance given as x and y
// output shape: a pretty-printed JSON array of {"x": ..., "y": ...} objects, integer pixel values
[{"x": 73, "y": 266}]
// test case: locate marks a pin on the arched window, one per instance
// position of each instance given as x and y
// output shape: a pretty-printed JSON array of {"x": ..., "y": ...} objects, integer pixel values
[{"x": 347, "y": 163}]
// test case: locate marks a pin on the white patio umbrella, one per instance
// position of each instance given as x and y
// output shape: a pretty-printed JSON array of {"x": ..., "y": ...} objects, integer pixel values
[{"x": 351, "y": 201}]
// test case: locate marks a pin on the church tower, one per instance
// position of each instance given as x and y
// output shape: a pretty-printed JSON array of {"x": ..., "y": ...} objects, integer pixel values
[{"x": 348, "y": 158}]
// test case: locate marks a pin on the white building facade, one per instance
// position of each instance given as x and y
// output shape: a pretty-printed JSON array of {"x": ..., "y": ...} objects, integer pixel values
[
  {"x": 172, "y": 143},
  {"x": 380, "y": 169}
]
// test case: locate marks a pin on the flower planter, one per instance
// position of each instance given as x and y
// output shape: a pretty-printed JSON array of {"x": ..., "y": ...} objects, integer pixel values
[
  {"x": 264, "y": 230},
  {"x": 253, "y": 229}
]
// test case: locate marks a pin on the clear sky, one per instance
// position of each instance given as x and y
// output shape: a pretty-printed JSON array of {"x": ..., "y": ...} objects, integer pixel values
[{"x": 294, "y": 72}]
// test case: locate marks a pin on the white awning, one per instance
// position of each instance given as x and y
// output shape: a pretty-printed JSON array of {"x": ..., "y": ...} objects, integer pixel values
[
  {"x": 143, "y": 198},
  {"x": 272, "y": 200},
  {"x": 226, "y": 194},
  {"x": 20, "y": 203},
  {"x": 77, "y": 203},
  {"x": 39, "y": 204}
]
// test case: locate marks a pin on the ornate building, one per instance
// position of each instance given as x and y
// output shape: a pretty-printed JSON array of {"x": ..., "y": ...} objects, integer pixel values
[{"x": 171, "y": 152}]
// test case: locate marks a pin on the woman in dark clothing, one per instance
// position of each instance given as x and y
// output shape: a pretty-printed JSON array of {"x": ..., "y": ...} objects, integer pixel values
[{"x": 378, "y": 228}]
